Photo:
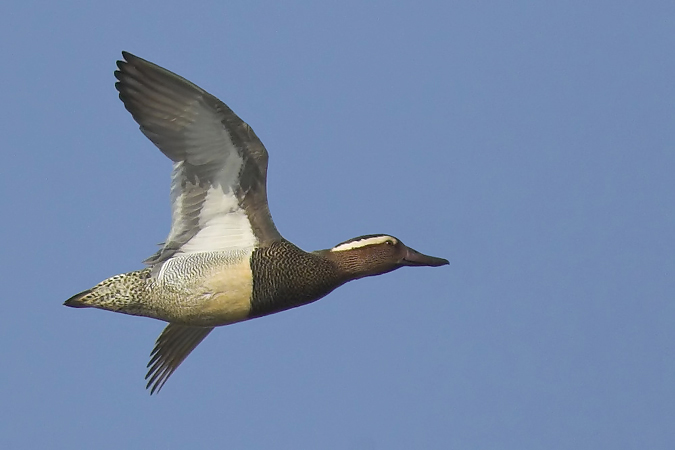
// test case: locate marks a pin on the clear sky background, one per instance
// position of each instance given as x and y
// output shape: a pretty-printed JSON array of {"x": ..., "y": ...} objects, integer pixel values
[{"x": 530, "y": 143}]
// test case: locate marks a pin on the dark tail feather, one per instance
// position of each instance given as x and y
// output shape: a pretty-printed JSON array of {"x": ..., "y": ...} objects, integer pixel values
[{"x": 76, "y": 300}]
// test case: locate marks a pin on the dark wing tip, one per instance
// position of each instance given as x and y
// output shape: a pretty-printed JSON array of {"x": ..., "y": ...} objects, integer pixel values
[
  {"x": 157, "y": 378},
  {"x": 171, "y": 348},
  {"x": 131, "y": 58}
]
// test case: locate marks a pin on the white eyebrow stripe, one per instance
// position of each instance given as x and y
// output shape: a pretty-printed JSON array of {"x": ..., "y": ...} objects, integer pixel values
[{"x": 363, "y": 242}]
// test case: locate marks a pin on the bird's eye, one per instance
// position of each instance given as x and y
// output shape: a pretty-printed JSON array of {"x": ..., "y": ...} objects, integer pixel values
[{"x": 390, "y": 243}]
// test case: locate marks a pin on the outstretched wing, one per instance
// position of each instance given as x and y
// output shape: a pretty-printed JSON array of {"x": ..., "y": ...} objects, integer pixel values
[
  {"x": 218, "y": 189},
  {"x": 171, "y": 348}
]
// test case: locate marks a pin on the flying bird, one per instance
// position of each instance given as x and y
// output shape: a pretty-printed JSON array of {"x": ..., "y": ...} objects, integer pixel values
[{"x": 224, "y": 260}]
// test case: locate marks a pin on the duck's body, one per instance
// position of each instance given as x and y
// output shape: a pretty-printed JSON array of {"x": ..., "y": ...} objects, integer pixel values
[
  {"x": 224, "y": 260},
  {"x": 219, "y": 288}
]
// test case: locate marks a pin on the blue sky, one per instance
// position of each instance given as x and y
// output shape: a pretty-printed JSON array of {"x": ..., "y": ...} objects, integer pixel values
[{"x": 530, "y": 143}]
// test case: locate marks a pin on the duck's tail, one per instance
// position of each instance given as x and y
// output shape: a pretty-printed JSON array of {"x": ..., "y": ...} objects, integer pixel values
[
  {"x": 76, "y": 301},
  {"x": 119, "y": 293}
]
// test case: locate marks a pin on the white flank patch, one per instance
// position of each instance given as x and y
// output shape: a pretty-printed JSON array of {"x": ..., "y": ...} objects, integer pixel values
[{"x": 363, "y": 242}]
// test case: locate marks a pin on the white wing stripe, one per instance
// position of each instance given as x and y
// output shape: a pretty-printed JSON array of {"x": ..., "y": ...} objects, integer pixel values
[{"x": 223, "y": 225}]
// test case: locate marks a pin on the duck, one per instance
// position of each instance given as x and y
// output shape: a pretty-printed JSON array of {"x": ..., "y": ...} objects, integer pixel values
[{"x": 224, "y": 260}]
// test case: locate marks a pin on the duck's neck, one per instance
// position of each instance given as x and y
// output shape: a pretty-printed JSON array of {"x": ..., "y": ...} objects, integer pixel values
[{"x": 353, "y": 264}]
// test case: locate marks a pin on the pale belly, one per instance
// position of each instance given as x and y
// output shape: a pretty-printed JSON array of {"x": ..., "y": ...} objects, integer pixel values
[{"x": 230, "y": 300}]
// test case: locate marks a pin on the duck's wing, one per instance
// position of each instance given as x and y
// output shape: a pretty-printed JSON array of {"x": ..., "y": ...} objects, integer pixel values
[
  {"x": 218, "y": 186},
  {"x": 172, "y": 347}
]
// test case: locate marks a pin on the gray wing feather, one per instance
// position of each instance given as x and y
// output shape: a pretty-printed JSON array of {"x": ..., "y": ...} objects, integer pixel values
[
  {"x": 172, "y": 347},
  {"x": 216, "y": 155}
]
